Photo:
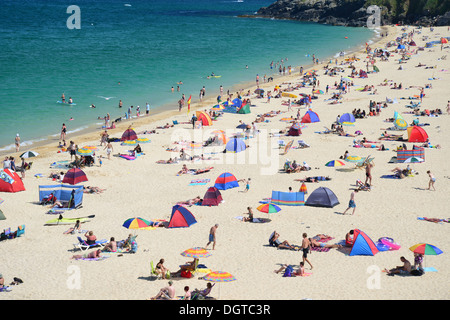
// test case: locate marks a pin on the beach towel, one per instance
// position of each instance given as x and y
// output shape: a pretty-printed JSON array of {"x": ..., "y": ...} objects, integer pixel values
[
  {"x": 95, "y": 259},
  {"x": 128, "y": 157},
  {"x": 255, "y": 220},
  {"x": 428, "y": 219},
  {"x": 39, "y": 175},
  {"x": 320, "y": 249},
  {"x": 429, "y": 269},
  {"x": 199, "y": 182}
]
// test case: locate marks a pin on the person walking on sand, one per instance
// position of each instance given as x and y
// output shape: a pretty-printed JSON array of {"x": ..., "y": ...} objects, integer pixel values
[
  {"x": 17, "y": 142},
  {"x": 306, "y": 244},
  {"x": 109, "y": 149},
  {"x": 212, "y": 236},
  {"x": 369, "y": 174},
  {"x": 63, "y": 132},
  {"x": 247, "y": 184},
  {"x": 432, "y": 181},
  {"x": 351, "y": 203}
]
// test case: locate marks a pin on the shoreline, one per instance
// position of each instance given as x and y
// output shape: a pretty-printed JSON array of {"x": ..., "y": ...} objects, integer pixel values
[{"x": 84, "y": 135}]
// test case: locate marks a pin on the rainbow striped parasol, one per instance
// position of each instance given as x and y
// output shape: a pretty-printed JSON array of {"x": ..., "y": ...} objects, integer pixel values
[
  {"x": 269, "y": 208},
  {"x": 335, "y": 163},
  {"x": 85, "y": 152},
  {"x": 219, "y": 276},
  {"x": 129, "y": 143},
  {"x": 426, "y": 249},
  {"x": 136, "y": 223},
  {"x": 196, "y": 252}
]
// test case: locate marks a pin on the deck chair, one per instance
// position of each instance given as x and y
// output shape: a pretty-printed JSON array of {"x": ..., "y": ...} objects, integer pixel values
[
  {"x": 20, "y": 230},
  {"x": 175, "y": 121},
  {"x": 83, "y": 245},
  {"x": 8, "y": 234},
  {"x": 361, "y": 186},
  {"x": 154, "y": 273}
]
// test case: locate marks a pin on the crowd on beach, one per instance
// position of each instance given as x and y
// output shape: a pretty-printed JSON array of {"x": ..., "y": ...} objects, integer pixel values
[{"x": 250, "y": 130}]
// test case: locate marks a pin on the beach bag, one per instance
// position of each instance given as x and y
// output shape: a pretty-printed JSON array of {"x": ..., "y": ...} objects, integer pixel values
[
  {"x": 186, "y": 274},
  {"x": 288, "y": 272}
]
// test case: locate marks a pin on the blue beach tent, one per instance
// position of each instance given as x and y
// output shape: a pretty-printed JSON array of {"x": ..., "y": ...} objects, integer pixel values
[
  {"x": 181, "y": 217},
  {"x": 362, "y": 244},
  {"x": 235, "y": 145}
]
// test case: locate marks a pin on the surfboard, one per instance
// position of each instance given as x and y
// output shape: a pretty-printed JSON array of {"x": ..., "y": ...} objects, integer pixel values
[{"x": 70, "y": 104}]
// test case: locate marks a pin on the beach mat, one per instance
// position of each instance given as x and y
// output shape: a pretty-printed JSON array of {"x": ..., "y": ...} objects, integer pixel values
[
  {"x": 429, "y": 269},
  {"x": 320, "y": 249},
  {"x": 199, "y": 182}
]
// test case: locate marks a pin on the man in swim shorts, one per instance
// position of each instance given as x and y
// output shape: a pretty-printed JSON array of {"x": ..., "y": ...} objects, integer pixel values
[
  {"x": 305, "y": 248},
  {"x": 351, "y": 203},
  {"x": 212, "y": 236}
]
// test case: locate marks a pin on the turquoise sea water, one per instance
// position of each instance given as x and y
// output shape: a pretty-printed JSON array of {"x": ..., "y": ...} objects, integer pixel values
[{"x": 146, "y": 46}]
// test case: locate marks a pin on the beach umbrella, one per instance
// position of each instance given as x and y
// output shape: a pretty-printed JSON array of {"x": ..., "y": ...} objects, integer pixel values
[
  {"x": 85, "y": 152},
  {"x": 136, "y": 223},
  {"x": 196, "y": 252},
  {"x": 268, "y": 208},
  {"x": 400, "y": 123},
  {"x": 401, "y": 46},
  {"x": 143, "y": 140},
  {"x": 318, "y": 92},
  {"x": 353, "y": 159},
  {"x": 219, "y": 276},
  {"x": 218, "y": 107},
  {"x": 91, "y": 147},
  {"x": 74, "y": 176},
  {"x": 334, "y": 163},
  {"x": 426, "y": 249},
  {"x": 129, "y": 143},
  {"x": 242, "y": 126},
  {"x": 444, "y": 40},
  {"x": 414, "y": 160},
  {"x": 29, "y": 154}
]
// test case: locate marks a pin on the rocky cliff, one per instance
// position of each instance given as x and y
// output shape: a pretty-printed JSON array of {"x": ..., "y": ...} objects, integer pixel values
[{"x": 354, "y": 12}]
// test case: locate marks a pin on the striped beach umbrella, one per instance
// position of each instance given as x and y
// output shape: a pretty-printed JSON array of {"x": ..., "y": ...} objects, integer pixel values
[
  {"x": 219, "y": 276},
  {"x": 318, "y": 92},
  {"x": 353, "y": 159},
  {"x": 414, "y": 160},
  {"x": 29, "y": 154},
  {"x": 129, "y": 143},
  {"x": 91, "y": 147},
  {"x": 143, "y": 140},
  {"x": 426, "y": 249},
  {"x": 268, "y": 208},
  {"x": 136, "y": 223},
  {"x": 85, "y": 152},
  {"x": 196, "y": 252},
  {"x": 334, "y": 163}
]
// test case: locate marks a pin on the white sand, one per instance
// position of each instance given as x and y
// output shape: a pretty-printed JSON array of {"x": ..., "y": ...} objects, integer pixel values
[{"x": 41, "y": 258}]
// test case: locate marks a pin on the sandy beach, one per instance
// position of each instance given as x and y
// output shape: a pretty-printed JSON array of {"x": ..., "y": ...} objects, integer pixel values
[{"x": 146, "y": 189}]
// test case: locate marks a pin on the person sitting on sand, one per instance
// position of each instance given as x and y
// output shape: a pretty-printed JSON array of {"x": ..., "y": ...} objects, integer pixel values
[
  {"x": 250, "y": 215},
  {"x": 111, "y": 246},
  {"x": 274, "y": 241},
  {"x": 299, "y": 272},
  {"x": 166, "y": 293},
  {"x": 404, "y": 269},
  {"x": 188, "y": 266},
  {"x": 183, "y": 170},
  {"x": 76, "y": 228},
  {"x": 349, "y": 238},
  {"x": 314, "y": 179}
]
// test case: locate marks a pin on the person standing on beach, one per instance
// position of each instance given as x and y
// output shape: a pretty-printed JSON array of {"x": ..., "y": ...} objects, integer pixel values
[
  {"x": 369, "y": 174},
  {"x": 351, "y": 203},
  {"x": 257, "y": 80},
  {"x": 212, "y": 236},
  {"x": 17, "y": 142},
  {"x": 63, "y": 132},
  {"x": 305, "y": 248},
  {"x": 432, "y": 181},
  {"x": 147, "y": 108}
]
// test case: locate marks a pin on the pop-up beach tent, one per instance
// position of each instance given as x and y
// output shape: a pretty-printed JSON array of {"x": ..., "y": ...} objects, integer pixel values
[
  {"x": 212, "y": 197},
  {"x": 347, "y": 118},
  {"x": 322, "y": 197},
  {"x": 70, "y": 195},
  {"x": 129, "y": 134},
  {"x": 10, "y": 181},
  {"x": 181, "y": 217},
  {"x": 362, "y": 245},
  {"x": 245, "y": 108},
  {"x": 226, "y": 181},
  {"x": 295, "y": 130},
  {"x": 310, "y": 117},
  {"x": 417, "y": 134}
]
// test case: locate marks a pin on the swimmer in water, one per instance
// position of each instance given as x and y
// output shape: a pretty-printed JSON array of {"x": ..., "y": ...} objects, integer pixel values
[
  {"x": 70, "y": 100},
  {"x": 63, "y": 98}
]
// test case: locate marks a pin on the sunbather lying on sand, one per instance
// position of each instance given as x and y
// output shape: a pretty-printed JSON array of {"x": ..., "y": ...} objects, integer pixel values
[
  {"x": 190, "y": 202},
  {"x": 89, "y": 189},
  {"x": 314, "y": 179},
  {"x": 274, "y": 241}
]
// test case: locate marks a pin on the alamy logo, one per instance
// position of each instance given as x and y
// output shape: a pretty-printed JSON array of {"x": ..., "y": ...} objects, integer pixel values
[
  {"x": 374, "y": 20},
  {"x": 74, "y": 21}
]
